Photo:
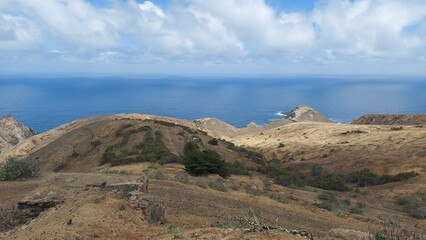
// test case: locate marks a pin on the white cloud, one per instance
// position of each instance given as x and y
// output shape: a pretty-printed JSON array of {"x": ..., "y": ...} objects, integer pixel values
[
  {"x": 226, "y": 31},
  {"x": 367, "y": 27},
  {"x": 17, "y": 33}
]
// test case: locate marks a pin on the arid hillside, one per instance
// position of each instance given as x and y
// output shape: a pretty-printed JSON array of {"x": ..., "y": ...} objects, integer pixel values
[
  {"x": 343, "y": 147},
  {"x": 286, "y": 180},
  {"x": 391, "y": 119}
]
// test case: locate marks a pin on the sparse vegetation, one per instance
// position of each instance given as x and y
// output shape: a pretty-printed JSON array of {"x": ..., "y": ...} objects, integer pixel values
[
  {"x": 60, "y": 167},
  {"x": 182, "y": 177},
  {"x": 11, "y": 218},
  {"x": 218, "y": 184},
  {"x": 160, "y": 176},
  {"x": 356, "y": 210},
  {"x": 171, "y": 229},
  {"x": 238, "y": 168},
  {"x": 329, "y": 182},
  {"x": 278, "y": 198},
  {"x": 316, "y": 170},
  {"x": 15, "y": 169},
  {"x": 249, "y": 153},
  {"x": 414, "y": 210},
  {"x": 366, "y": 178},
  {"x": 391, "y": 231},
  {"x": 222, "y": 225},
  {"x": 331, "y": 202},
  {"x": 201, "y": 184},
  {"x": 402, "y": 201},
  {"x": 95, "y": 143},
  {"x": 213, "y": 141},
  {"x": 151, "y": 149}
]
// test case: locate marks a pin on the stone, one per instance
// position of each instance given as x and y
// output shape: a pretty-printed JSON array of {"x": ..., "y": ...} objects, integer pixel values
[{"x": 157, "y": 214}]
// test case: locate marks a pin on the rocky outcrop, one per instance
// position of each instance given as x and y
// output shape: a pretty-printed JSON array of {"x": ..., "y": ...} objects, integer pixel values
[
  {"x": 306, "y": 114},
  {"x": 12, "y": 132},
  {"x": 391, "y": 119},
  {"x": 217, "y": 128}
]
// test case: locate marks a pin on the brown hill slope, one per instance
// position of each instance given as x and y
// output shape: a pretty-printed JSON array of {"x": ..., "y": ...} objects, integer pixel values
[
  {"x": 82, "y": 148},
  {"x": 195, "y": 204},
  {"x": 343, "y": 147},
  {"x": 391, "y": 119},
  {"x": 306, "y": 114}
]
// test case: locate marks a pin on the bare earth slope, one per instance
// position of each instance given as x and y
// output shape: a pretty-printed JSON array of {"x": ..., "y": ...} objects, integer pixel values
[
  {"x": 343, "y": 147},
  {"x": 391, "y": 119},
  {"x": 197, "y": 207},
  {"x": 306, "y": 114}
]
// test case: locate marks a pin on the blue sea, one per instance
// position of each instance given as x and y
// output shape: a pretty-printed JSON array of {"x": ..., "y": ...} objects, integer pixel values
[{"x": 45, "y": 102}]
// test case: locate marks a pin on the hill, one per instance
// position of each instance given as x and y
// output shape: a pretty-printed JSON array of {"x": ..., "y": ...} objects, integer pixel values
[
  {"x": 391, "y": 119},
  {"x": 306, "y": 114},
  {"x": 12, "y": 132},
  {"x": 93, "y": 172}
]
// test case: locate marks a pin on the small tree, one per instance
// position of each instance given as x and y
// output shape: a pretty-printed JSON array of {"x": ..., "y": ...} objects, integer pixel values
[{"x": 199, "y": 162}]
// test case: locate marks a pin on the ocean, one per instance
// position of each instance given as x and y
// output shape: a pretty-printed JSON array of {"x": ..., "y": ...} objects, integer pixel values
[{"x": 45, "y": 102}]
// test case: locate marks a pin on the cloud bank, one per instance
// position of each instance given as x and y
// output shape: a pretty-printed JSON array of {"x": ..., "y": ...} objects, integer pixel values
[{"x": 241, "y": 36}]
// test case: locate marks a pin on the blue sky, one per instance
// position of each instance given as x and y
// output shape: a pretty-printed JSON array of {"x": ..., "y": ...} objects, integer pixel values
[{"x": 213, "y": 37}]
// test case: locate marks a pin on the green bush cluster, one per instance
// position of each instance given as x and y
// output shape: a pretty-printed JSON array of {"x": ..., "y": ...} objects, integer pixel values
[
  {"x": 287, "y": 177},
  {"x": 249, "y": 153},
  {"x": 414, "y": 210},
  {"x": 366, "y": 178},
  {"x": 213, "y": 141},
  {"x": 18, "y": 170},
  {"x": 331, "y": 201},
  {"x": 329, "y": 182},
  {"x": 198, "y": 162},
  {"x": 238, "y": 168},
  {"x": 151, "y": 149}
]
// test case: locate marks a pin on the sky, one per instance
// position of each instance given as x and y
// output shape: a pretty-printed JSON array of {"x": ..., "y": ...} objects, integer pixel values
[{"x": 214, "y": 37}]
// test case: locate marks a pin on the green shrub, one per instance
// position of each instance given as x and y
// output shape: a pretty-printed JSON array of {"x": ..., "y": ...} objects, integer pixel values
[
  {"x": 18, "y": 170},
  {"x": 238, "y": 168},
  {"x": 213, "y": 141},
  {"x": 278, "y": 198},
  {"x": 415, "y": 211},
  {"x": 199, "y": 162},
  {"x": 329, "y": 182},
  {"x": 329, "y": 200},
  {"x": 326, "y": 205},
  {"x": 151, "y": 149},
  {"x": 182, "y": 177},
  {"x": 201, "y": 184},
  {"x": 218, "y": 185},
  {"x": 328, "y": 196},
  {"x": 366, "y": 178},
  {"x": 316, "y": 170},
  {"x": 249, "y": 153},
  {"x": 160, "y": 176},
  {"x": 356, "y": 210},
  {"x": 222, "y": 225},
  {"x": 291, "y": 179}
]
